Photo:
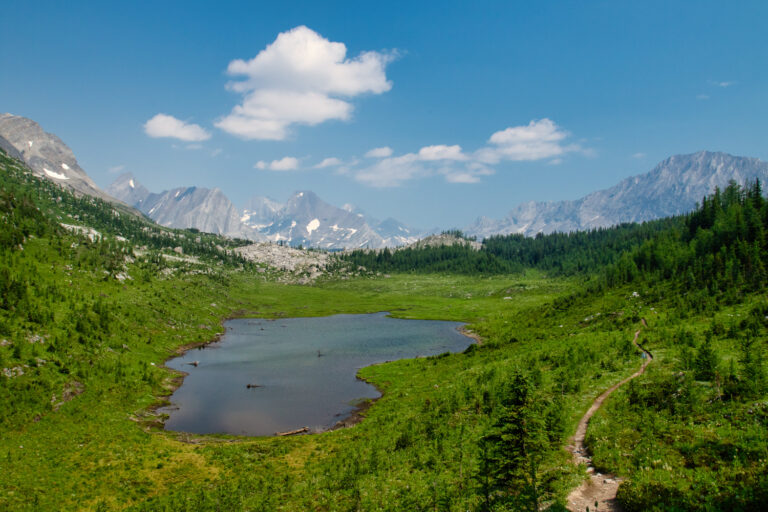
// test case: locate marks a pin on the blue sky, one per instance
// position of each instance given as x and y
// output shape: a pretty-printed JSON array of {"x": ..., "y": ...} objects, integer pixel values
[{"x": 483, "y": 104}]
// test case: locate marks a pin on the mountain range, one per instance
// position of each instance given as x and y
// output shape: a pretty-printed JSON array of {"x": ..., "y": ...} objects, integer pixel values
[
  {"x": 208, "y": 210},
  {"x": 673, "y": 187},
  {"x": 304, "y": 219}
]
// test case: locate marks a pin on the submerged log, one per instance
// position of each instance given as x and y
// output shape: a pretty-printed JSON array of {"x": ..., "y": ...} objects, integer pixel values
[{"x": 292, "y": 432}]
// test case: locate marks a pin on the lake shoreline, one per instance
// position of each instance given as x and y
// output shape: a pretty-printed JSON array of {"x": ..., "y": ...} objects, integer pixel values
[{"x": 357, "y": 415}]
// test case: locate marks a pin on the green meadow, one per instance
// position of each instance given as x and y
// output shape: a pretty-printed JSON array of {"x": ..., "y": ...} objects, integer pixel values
[{"x": 82, "y": 348}]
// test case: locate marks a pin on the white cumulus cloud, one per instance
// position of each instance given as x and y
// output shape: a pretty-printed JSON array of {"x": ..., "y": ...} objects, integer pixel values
[
  {"x": 300, "y": 78},
  {"x": 288, "y": 163},
  {"x": 538, "y": 140},
  {"x": 382, "y": 152},
  {"x": 163, "y": 125}
]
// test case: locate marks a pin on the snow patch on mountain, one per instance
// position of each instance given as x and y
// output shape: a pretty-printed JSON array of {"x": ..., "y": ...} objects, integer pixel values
[
  {"x": 55, "y": 175},
  {"x": 313, "y": 225}
]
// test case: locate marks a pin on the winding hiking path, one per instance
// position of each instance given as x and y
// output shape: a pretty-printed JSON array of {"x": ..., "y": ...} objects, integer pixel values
[{"x": 600, "y": 489}]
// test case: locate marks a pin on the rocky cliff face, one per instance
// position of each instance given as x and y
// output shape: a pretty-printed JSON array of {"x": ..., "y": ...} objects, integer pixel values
[
  {"x": 673, "y": 187},
  {"x": 46, "y": 155}
]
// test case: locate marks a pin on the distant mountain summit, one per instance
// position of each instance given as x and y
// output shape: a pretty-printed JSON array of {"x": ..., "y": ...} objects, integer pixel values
[
  {"x": 673, "y": 187},
  {"x": 45, "y": 154},
  {"x": 127, "y": 189}
]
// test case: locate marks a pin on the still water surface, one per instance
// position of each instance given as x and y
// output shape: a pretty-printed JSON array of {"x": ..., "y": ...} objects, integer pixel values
[{"x": 305, "y": 368}]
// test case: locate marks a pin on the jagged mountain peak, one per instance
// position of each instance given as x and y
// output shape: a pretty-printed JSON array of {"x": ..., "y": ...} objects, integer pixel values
[{"x": 128, "y": 189}]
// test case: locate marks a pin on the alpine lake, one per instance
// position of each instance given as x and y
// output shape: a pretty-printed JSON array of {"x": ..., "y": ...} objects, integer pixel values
[{"x": 268, "y": 376}]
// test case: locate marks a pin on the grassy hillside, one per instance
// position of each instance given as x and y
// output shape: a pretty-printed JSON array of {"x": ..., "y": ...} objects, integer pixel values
[{"x": 86, "y": 323}]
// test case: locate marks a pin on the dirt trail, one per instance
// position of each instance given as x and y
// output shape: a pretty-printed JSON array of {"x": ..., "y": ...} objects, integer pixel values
[{"x": 600, "y": 489}]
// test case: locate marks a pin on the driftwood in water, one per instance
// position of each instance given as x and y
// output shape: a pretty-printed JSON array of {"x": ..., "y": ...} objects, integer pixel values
[
  {"x": 249, "y": 386},
  {"x": 292, "y": 432}
]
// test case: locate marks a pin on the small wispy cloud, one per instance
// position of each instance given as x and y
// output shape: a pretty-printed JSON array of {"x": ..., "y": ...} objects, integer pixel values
[
  {"x": 288, "y": 163},
  {"x": 723, "y": 84},
  {"x": 638, "y": 155},
  {"x": 329, "y": 162},
  {"x": 441, "y": 152},
  {"x": 382, "y": 152},
  {"x": 702, "y": 97},
  {"x": 115, "y": 169}
]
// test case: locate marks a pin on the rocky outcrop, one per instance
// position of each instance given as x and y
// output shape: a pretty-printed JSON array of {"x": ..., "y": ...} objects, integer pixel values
[{"x": 443, "y": 239}]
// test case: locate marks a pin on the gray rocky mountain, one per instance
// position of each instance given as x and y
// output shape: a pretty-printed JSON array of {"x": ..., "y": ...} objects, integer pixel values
[
  {"x": 46, "y": 155},
  {"x": 307, "y": 220},
  {"x": 673, "y": 187},
  {"x": 186, "y": 207}
]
